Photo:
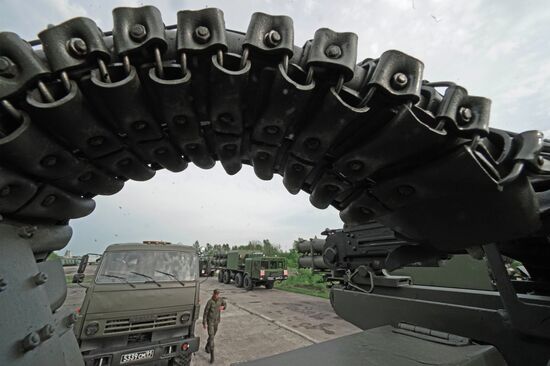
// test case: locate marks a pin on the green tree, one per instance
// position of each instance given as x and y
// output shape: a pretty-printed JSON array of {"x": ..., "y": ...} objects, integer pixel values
[
  {"x": 270, "y": 249},
  {"x": 292, "y": 258},
  {"x": 253, "y": 245},
  {"x": 197, "y": 247}
]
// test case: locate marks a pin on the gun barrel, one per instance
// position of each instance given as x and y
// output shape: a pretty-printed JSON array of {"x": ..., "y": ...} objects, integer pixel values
[
  {"x": 307, "y": 246},
  {"x": 315, "y": 262}
]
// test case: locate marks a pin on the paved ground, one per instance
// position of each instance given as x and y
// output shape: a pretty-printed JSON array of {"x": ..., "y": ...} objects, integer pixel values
[{"x": 259, "y": 323}]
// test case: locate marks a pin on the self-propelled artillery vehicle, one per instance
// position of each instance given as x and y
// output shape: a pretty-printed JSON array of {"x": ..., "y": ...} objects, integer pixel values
[{"x": 82, "y": 111}]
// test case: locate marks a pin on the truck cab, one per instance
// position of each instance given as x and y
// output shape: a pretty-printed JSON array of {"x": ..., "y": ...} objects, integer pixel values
[
  {"x": 141, "y": 306},
  {"x": 205, "y": 266},
  {"x": 265, "y": 271}
]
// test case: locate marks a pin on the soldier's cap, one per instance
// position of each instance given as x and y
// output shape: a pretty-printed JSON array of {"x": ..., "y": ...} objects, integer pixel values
[{"x": 216, "y": 291}]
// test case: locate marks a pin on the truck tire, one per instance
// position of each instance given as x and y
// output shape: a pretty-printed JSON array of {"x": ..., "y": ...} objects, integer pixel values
[
  {"x": 78, "y": 277},
  {"x": 248, "y": 283},
  {"x": 226, "y": 277},
  {"x": 239, "y": 280},
  {"x": 220, "y": 278},
  {"x": 269, "y": 285}
]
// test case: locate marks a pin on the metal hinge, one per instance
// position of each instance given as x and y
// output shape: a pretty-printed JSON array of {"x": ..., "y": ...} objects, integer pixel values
[{"x": 431, "y": 335}]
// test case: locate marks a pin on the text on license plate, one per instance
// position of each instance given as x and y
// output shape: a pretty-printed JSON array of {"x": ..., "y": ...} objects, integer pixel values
[{"x": 137, "y": 356}]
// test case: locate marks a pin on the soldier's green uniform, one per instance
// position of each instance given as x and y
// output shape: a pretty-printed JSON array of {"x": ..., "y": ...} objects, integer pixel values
[{"x": 211, "y": 319}]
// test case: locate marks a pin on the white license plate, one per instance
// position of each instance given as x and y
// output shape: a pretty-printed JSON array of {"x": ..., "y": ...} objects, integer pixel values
[{"x": 137, "y": 356}]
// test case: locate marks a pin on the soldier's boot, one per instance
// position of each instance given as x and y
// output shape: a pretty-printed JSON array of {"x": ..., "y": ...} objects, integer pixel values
[
  {"x": 206, "y": 348},
  {"x": 212, "y": 356}
]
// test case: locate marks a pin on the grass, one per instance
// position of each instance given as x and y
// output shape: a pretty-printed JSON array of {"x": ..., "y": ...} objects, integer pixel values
[{"x": 304, "y": 281}]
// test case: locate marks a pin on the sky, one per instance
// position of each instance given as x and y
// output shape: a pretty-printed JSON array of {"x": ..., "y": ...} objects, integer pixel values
[{"x": 496, "y": 49}]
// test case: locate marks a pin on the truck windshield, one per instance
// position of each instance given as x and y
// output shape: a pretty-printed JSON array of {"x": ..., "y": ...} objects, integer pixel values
[
  {"x": 115, "y": 265},
  {"x": 272, "y": 264}
]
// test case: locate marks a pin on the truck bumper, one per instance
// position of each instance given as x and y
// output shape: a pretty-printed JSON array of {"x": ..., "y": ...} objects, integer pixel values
[
  {"x": 276, "y": 278},
  {"x": 161, "y": 353}
]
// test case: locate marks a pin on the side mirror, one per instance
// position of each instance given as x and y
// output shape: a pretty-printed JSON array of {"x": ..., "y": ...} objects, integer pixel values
[{"x": 82, "y": 265}]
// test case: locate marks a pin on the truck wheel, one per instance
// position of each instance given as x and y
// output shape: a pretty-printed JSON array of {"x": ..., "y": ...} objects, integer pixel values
[
  {"x": 269, "y": 285},
  {"x": 78, "y": 277},
  {"x": 226, "y": 277},
  {"x": 239, "y": 280},
  {"x": 220, "y": 278},
  {"x": 248, "y": 283}
]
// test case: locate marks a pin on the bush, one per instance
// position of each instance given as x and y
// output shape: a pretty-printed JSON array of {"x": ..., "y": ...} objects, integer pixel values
[{"x": 305, "y": 281}]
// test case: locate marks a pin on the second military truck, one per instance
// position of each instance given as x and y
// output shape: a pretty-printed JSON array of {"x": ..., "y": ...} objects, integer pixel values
[
  {"x": 249, "y": 269},
  {"x": 205, "y": 266}
]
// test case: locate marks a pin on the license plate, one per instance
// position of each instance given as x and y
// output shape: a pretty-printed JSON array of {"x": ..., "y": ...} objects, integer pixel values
[{"x": 137, "y": 356}]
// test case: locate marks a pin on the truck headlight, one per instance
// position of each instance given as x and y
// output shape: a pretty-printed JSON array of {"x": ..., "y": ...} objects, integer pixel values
[
  {"x": 91, "y": 329},
  {"x": 184, "y": 318}
]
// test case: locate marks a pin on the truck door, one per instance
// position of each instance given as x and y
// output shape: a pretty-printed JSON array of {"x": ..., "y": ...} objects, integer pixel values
[{"x": 248, "y": 266}]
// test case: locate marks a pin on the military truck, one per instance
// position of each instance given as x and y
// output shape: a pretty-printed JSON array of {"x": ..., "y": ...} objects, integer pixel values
[
  {"x": 249, "y": 269},
  {"x": 141, "y": 305},
  {"x": 205, "y": 266}
]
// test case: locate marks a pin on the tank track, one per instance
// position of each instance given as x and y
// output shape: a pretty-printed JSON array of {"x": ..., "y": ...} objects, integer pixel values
[{"x": 84, "y": 111}]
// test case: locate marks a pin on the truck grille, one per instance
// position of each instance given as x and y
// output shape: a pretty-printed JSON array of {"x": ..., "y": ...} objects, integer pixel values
[{"x": 126, "y": 325}]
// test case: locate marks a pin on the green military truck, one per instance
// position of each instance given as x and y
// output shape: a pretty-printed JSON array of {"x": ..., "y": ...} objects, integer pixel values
[
  {"x": 249, "y": 269},
  {"x": 141, "y": 306},
  {"x": 205, "y": 266}
]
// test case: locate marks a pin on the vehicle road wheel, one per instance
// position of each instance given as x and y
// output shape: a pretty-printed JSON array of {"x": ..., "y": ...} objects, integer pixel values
[
  {"x": 248, "y": 283},
  {"x": 239, "y": 280},
  {"x": 220, "y": 278},
  {"x": 226, "y": 277},
  {"x": 269, "y": 285}
]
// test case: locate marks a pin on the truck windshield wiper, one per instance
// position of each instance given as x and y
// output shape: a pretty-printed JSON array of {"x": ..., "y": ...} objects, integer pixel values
[
  {"x": 120, "y": 278},
  {"x": 149, "y": 277},
  {"x": 171, "y": 275}
]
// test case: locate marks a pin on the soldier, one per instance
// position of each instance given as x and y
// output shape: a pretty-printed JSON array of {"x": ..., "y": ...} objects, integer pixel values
[{"x": 211, "y": 318}]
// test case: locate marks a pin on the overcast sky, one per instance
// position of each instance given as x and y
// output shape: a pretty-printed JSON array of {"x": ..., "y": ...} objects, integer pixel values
[{"x": 497, "y": 49}]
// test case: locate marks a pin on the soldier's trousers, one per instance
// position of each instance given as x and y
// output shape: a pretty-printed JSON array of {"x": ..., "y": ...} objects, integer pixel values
[{"x": 212, "y": 330}]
